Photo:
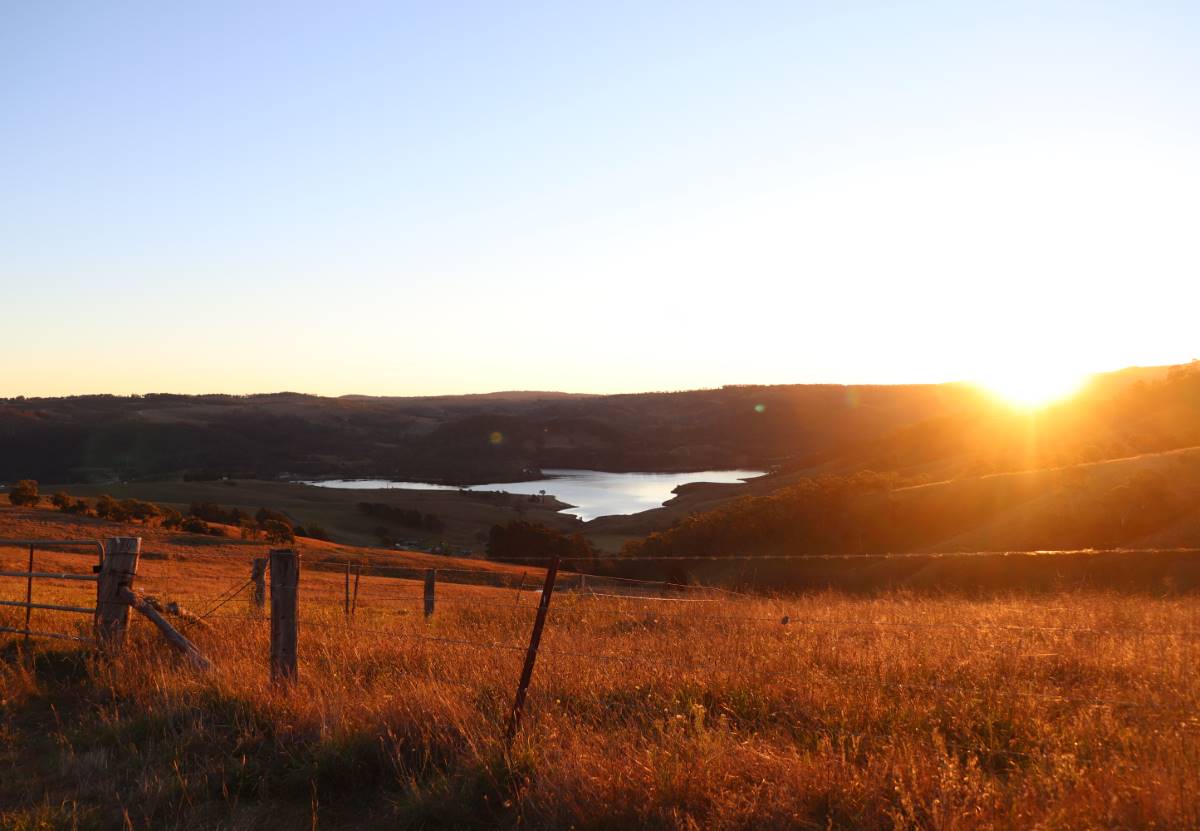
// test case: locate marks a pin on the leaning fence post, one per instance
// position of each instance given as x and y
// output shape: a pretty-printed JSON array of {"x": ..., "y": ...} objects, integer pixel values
[
  {"x": 430, "y": 586},
  {"x": 535, "y": 638},
  {"x": 258, "y": 575},
  {"x": 354, "y": 600},
  {"x": 285, "y": 583},
  {"x": 120, "y": 564}
]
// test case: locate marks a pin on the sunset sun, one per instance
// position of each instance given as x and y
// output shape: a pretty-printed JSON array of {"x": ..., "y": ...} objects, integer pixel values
[{"x": 1031, "y": 387}]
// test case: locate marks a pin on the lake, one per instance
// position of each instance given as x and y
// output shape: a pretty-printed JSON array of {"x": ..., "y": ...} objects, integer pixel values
[{"x": 593, "y": 492}]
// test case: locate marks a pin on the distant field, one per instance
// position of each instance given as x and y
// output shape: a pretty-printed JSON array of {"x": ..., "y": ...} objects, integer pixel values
[
  {"x": 465, "y": 515},
  {"x": 1070, "y": 710}
]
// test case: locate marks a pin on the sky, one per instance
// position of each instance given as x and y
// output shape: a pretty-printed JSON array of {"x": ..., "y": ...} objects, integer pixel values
[{"x": 397, "y": 198}]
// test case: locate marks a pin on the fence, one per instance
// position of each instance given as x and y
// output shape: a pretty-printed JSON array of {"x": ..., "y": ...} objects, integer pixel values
[
  {"x": 350, "y": 589},
  {"x": 29, "y": 575}
]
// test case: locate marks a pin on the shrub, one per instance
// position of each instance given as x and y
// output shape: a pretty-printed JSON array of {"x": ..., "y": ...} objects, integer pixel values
[
  {"x": 521, "y": 539},
  {"x": 194, "y": 525},
  {"x": 278, "y": 531},
  {"x": 61, "y": 500},
  {"x": 312, "y": 531},
  {"x": 25, "y": 492}
]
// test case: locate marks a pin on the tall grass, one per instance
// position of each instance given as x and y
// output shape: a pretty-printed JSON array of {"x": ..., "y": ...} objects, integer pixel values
[{"x": 1072, "y": 710}]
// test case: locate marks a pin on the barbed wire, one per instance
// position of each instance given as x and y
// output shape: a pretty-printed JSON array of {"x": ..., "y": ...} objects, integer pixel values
[{"x": 635, "y": 559}]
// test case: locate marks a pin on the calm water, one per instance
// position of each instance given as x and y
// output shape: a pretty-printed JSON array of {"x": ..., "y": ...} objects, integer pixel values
[{"x": 593, "y": 492}]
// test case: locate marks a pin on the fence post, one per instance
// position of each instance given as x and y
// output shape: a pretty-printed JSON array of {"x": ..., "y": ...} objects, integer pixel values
[
  {"x": 121, "y": 556},
  {"x": 28, "y": 594},
  {"x": 535, "y": 638},
  {"x": 520, "y": 586},
  {"x": 258, "y": 574},
  {"x": 285, "y": 583},
  {"x": 430, "y": 586},
  {"x": 354, "y": 600}
]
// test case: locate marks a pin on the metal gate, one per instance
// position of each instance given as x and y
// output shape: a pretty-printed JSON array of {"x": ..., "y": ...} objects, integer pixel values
[{"x": 84, "y": 548}]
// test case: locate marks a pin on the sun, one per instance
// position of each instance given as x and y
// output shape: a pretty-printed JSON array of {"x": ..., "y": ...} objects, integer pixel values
[{"x": 1032, "y": 387}]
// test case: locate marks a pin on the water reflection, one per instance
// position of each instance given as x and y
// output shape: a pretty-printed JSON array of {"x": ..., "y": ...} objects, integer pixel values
[{"x": 593, "y": 492}]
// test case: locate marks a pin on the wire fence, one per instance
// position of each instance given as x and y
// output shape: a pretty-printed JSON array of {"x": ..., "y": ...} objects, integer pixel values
[{"x": 354, "y": 601}]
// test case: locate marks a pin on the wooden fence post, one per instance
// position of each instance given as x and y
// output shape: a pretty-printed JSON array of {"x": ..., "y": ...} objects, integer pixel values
[
  {"x": 121, "y": 556},
  {"x": 285, "y": 584},
  {"x": 430, "y": 586},
  {"x": 258, "y": 574},
  {"x": 354, "y": 600},
  {"x": 535, "y": 638},
  {"x": 28, "y": 595}
]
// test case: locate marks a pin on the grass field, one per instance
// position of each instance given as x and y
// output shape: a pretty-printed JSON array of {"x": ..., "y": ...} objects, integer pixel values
[
  {"x": 1076, "y": 710},
  {"x": 465, "y": 515}
]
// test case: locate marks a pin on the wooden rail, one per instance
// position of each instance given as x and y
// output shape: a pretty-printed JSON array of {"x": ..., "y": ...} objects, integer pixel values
[
  {"x": 50, "y": 575},
  {"x": 55, "y": 635},
  {"x": 21, "y": 604},
  {"x": 96, "y": 544}
]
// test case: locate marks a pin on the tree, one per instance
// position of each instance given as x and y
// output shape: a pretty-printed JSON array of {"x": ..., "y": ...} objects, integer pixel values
[
  {"x": 520, "y": 540},
  {"x": 247, "y": 528},
  {"x": 61, "y": 500},
  {"x": 25, "y": 492},
  {"x": 278, "y": 531}
]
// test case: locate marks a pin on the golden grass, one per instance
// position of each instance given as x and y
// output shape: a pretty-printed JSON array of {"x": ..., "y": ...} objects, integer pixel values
[{"x": 1078, "y": 710}]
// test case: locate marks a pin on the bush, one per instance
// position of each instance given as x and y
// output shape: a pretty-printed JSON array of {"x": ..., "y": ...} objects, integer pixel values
[
  {"x": 139, "y": 510},
  {"x": 194, "y": 525},
  {"x": 25, "y": 492},
  {"x": 520, "y": 540},
  {"x": 61, "y": 500},
  {"x": 109, "y": 508},
  {"x": 278, "y": 531},
  {"x": 312, "y": 531}
]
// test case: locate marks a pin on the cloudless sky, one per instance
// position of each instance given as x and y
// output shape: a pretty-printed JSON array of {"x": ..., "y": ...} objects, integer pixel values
[{"x": 403, "y": 198}]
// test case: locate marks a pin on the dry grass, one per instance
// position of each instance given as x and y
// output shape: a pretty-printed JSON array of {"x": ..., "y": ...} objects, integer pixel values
[{"x": 899, "y": 711}]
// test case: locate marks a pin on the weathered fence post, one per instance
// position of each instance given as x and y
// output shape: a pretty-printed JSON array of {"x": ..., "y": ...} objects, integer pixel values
[
  {"x": 535, "y": 638},
  {"x": 28, "y": 594},
  {"x": 285, "y": 584},
  {"x": 121, "y": 556},
  {"x": 258, "y": 574},
  {"x": 354, "y": 600},
  {"x": 430, "y": 586},
  {"x": 520, "y": 587}
]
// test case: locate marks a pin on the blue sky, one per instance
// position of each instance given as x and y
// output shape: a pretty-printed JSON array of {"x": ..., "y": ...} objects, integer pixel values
[{"x": 397, "y": 198}]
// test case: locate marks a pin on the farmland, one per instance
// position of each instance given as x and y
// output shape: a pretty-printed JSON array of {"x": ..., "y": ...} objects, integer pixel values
[{"x": 1073, "y": 709}]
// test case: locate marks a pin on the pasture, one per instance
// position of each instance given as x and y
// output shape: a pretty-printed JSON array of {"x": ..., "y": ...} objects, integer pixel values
[{"x": 704, "y": 710}]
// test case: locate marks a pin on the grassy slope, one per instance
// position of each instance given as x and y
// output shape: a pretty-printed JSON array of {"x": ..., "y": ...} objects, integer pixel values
[
  {"x": 707, "y": 715},
  {"x": 466, "y": 514}
]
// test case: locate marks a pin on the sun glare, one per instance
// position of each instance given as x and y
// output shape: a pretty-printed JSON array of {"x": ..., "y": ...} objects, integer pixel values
[{"x": 1032, "y": 387}]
